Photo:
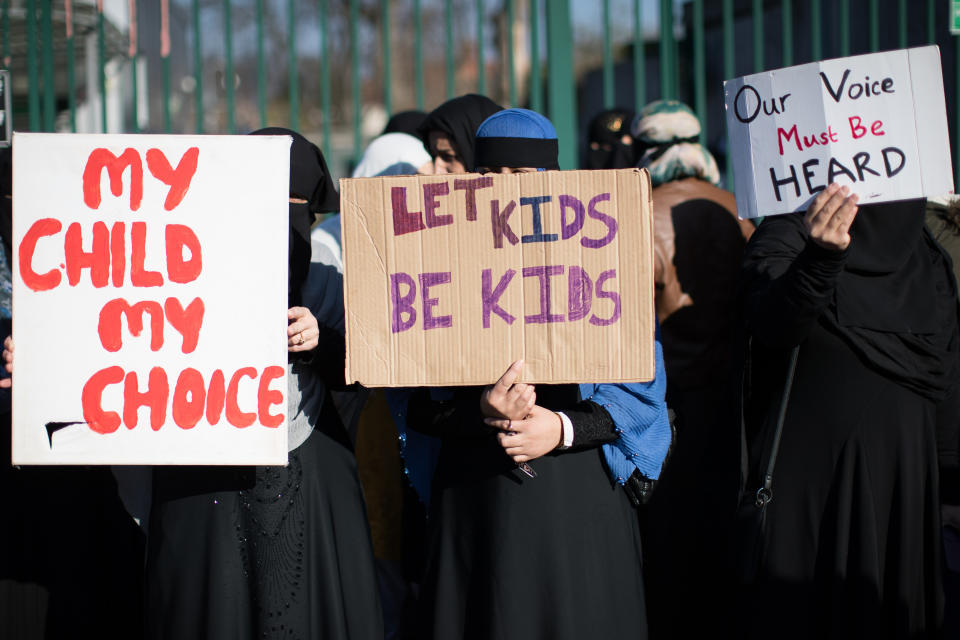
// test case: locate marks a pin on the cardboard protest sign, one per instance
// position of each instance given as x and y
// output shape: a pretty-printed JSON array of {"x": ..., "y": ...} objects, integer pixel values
[
  {"x": 150, "y": 297},
  {"x": 876, "y": 122},
  {"x": 449, "y": 279}
]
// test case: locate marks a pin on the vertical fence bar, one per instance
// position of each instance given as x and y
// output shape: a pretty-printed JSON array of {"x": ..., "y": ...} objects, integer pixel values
[
  {"x": 536, "y": 101},
  {"x": 931, "y": 22},
  {"x": 481, "y": 62},
  {"x": 757, "y": 22},
  {"x": 639, "y": 59},
  {"x": 49, "y": 90},
  {"x": 816, "y": 24},
  {"x": 165, "y": 62},
  {"x": 132, "y": 28},
  {"x": 511, "y": 67},
  {"x": 874, "y": 18},
  {"x": 902, "y": 24},
  {"x": 262, "y": 67},
  {"x": 728, "y": 69},
  {"x": 448, "y": 54},
  {"x": 5, "y": 34},
  {"x": 956, "y": 128},
  {"x": 197, "y": 68},
  {"x": 844, "y": 28},
  {"x": 71, "y": 65},
  {"x": 609, "y": 91},
  {"x": 355, "y": 74},
  {"x": 699, "y": 69},
  {"x": 101, "y": 64},
  {"x": 418, "y": 51},
  {"x": 32, "y": 74},
  {"x": 560, "y": 85},
  {"x": 293, "y": 94},
  {"x": 387, "y": 71},
  {"x": 666, "y": 49},
  {"x": 229, "y": 79},
  {"x": 786, "y": 29},
  {"x": 325, "y": 78}
]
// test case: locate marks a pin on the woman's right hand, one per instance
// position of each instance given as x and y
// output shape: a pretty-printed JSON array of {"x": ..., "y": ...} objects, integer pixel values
[
  {"x": 829, "y": 217},
  {"x": 6, "y": 383},
  {"x": 507, "y": 398}
]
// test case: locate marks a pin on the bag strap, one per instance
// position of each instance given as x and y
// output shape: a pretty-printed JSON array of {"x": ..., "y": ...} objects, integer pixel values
[{"x": 765, "y": 493}]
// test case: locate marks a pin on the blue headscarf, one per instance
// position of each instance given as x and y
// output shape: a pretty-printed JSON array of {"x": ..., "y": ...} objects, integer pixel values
[{"x": 517, "y": 138}]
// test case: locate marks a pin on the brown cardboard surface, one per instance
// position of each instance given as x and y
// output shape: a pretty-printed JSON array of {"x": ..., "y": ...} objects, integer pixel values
[{"x": 447, "y": 343}]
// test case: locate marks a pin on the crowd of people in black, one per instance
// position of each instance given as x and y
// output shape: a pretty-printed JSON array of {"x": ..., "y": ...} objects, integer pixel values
[{"x": 791, "y": 471}]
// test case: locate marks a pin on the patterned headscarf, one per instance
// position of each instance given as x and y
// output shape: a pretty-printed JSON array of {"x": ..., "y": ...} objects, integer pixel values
[{"x": 666, "y": 134}]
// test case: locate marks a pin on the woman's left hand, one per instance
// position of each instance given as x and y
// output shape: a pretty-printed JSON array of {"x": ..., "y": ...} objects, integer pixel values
[
  {"x": 302, "y": 333},
  {"x": 536, "y": 435}
]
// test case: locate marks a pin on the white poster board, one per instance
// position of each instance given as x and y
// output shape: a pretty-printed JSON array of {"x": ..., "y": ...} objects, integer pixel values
[
  {"x": 151, "y": 265},
  {"x": 875, "y": 122}
]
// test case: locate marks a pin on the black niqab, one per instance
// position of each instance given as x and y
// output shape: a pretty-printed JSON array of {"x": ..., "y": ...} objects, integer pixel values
[
  {"x": 405, "y": 122},
  {"x": 6, "y": 203},
  {"x": 608, "y": 128},
  {"x": 309, "y": 180},
  {"x": 459, "y": 118}
]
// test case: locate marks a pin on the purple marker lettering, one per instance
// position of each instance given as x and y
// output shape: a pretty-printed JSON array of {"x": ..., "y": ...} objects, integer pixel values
[
  {"x": 612, "y": 295},
  {"x": 579, "y": 293},
  {"x": 428, "y": 280},
  {"x": 538, "y": 235},
  {"x": 431, "y": 204},
  {"x": 491, "y": 299},
  {"x": 500, "y": 222},
  {"x": 605, "y": 219},
  {"x": 543, "y": 273},
  {"x": 403, "y": 304},
  {"x": 404, "y": 221},
  {"x": 470, "y": 188},
  {"x": 572, "y": 228}
]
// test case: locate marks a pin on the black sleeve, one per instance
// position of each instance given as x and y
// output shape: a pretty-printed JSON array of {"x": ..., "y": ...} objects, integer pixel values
[
  {"x": 948, "y": 445},
  {"x": 788, "y": 281},
  {"x": 592, "y": 425},
  {"x": 328, "y": 358},
  {"x": 458, "y": 417}
]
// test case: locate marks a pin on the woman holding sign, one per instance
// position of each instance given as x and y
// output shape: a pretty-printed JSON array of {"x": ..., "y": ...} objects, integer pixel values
[
  {"x": 858, "y": 309},
  {"x": 550, "y": 550},
  {"x": 272, "y": 552}
]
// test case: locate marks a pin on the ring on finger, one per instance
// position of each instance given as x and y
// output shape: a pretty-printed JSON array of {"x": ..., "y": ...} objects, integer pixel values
[{"x": 301, "y": 338}]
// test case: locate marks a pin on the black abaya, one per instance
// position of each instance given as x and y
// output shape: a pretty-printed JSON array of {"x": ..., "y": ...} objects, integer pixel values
[
  {"x": 557, "y": 556},
  {"x": 852, "y": 541}
]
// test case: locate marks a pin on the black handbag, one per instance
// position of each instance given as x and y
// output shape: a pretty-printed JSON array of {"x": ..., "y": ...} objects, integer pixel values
[{"x": 752, "y": 511}]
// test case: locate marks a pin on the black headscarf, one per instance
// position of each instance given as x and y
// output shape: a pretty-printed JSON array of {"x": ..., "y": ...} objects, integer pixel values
[
  {"x": 405, "y": 122},
  {"x": 608, "y": 128},
  {"x": 459, "y": 119},
  {"x": 309, "y": 180}
]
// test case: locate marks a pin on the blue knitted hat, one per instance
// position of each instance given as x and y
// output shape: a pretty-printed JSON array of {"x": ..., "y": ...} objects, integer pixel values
[{"x": 517, "y": 138}]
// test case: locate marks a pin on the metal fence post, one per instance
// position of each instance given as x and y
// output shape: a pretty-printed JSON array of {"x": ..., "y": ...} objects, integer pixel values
[
  {"x": 197, "y": 68},
  {"x": 609, "y": 90},
  {"x": 228, "y": 76},
  {"x": 294, "y": 90},
  {"x": 639, "y": 59},
  {"x": 560, "y": 87}
]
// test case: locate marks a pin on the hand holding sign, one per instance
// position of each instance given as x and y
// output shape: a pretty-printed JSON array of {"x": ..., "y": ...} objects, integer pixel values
[
  {"x": 303, "y": 333},
  {"x": 506, "y": 399},
  {"x": 7, "y": 383},
  {"x": 536, "y": 435},
  {"x": 829, "y": 217}
]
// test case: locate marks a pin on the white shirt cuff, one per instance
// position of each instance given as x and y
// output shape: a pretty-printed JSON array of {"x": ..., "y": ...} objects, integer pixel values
[{"x": 567, "y": 427}]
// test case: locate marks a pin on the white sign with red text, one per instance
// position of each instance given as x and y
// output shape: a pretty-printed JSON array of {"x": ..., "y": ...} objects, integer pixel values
[
  {"x": 149, "y": 299},
  {"x": 875, "y": 122}
]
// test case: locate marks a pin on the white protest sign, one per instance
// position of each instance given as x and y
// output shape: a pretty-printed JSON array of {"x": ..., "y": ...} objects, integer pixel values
[
  {"x": 876, "y": 122},
  {"x": 149, "y": 299}
]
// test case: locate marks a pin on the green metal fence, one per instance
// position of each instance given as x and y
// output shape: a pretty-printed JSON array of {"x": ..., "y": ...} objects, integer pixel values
[{"x": 368, "y": 44}]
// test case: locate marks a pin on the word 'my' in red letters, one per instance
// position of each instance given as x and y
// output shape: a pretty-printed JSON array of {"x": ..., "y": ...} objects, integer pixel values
[{"x": 177, "y": 179}]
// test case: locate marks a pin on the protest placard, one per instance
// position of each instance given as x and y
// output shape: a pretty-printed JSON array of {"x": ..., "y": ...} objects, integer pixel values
[
  {"x": 875, "y": 122},
  {"x": 449, "y": 279},
  {"x": 149, "y": 298}
]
